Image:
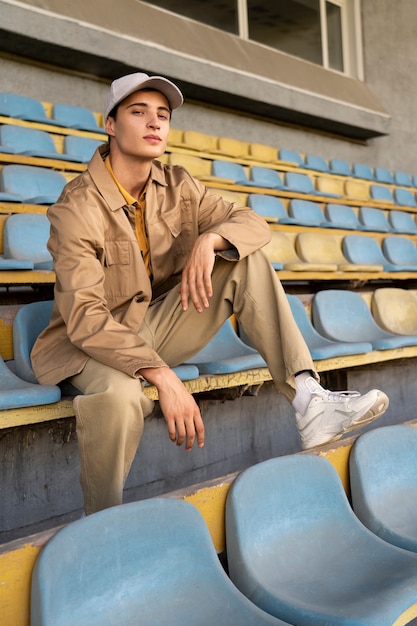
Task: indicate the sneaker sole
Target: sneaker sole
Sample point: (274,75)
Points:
(370,416)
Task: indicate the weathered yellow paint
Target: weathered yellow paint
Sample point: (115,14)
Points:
(339,458)
(407,616)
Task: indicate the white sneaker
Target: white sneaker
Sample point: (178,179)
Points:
(330,415)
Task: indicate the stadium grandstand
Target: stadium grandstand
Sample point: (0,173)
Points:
(301,109)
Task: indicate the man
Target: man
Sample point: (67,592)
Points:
(149,264)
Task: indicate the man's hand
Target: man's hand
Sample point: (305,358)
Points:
(178,406)
(196,276)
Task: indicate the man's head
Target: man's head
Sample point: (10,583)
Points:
(123,87)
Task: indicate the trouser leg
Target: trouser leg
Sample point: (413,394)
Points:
(250,289)
(110,416)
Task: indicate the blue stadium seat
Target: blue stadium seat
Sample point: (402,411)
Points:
(404,197)
(270,208)
(297,550)
(343,315)
(383,483)
(30,321)
(290,156)
(234,172)
(320,347)
(25,238)
(80,148)
(402,222)
(147,562)
(226,353)
(28,141)
(343,216)
(374,219)
(402,178)
(362,170)
(34,185)
(77,117)
(23,108)
(400,250)
(307,213)
(315,162)
(327,248)
(266,177)
(302,183)
(16,393)
(383,175)
(341,167)
(382,193)
(360,249)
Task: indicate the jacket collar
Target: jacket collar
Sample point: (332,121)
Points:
(105,183)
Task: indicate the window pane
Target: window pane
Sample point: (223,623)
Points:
(218,13)
(292,26)
(334,36)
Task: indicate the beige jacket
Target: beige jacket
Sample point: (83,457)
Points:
(102,290)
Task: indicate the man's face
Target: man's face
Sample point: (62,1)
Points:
(141,126)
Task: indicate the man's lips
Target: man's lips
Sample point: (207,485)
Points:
(152,138)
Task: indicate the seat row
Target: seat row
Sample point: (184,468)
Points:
(26,141)
(210,144)
(324,252)
(297,551)
(67,115)
(81,118)
(389,322)
(25,237)
(309,213)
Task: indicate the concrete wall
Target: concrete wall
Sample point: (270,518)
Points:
(390,70)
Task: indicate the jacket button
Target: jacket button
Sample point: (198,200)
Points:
(139,298)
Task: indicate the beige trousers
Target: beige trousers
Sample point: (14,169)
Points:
(110,413)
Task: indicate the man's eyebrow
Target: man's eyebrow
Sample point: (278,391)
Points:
(145,104)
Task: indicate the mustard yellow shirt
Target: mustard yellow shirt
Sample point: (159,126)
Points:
(140,205)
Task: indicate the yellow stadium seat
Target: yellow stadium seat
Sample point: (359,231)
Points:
(265,154)
(280,251)
(325,248)
(395,309)
(357,190)
(232,148)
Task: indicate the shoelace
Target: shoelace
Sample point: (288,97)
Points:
(336,396)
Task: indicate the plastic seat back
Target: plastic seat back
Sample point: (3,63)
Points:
(29,141)
(395,310)
(383,480)
(316,162)
(300,183)
(290,156)
(288,520)
(270,208)
(340,166)
(263,153)
(342,315)
(136,564)
(25,238)
(226,353)
(381,192)
(320,248)
(374,219)
(404,197)
(233,171)
(23,107)
(74,116)
(400,250)
(363,250)
(402,222)
(342,215)
(402,178)
(29,322)
(320,347)
(306,212)
(383,175)
(362,170)
(81,148)
(35,185)
(266,177)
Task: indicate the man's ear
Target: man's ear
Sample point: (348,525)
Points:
(110,126)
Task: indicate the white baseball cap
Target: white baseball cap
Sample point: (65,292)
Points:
(124,86)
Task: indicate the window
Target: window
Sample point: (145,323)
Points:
(326,32)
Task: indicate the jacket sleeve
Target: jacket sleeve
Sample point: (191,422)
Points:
(240,225)
(98,283)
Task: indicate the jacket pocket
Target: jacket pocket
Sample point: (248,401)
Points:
(116,253)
